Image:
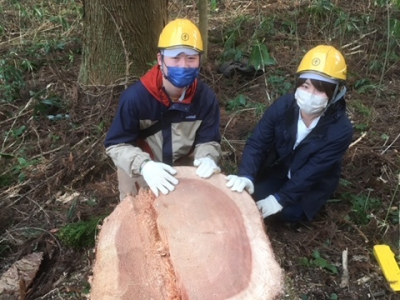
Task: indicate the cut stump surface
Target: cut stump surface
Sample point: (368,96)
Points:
(201,241)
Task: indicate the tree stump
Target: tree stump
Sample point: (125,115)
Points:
(200,242)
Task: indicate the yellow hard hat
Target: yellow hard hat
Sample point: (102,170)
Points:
(180,33)
(326,61)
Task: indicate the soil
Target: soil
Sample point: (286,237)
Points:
(363,212)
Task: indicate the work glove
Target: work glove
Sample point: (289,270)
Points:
(206,166)
(269,206)
(238,184)
(158,177)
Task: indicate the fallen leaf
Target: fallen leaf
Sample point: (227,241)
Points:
(22,271)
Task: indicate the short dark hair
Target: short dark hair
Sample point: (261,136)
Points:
(322,86)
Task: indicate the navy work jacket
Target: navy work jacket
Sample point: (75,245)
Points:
(146,102)
(315,164)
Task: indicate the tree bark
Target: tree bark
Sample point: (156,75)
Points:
(120,39)
(202,241)
(203,25)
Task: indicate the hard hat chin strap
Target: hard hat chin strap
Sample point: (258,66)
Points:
(162,66)
(338,95)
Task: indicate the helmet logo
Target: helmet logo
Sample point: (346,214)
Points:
(316,61)
(185,37)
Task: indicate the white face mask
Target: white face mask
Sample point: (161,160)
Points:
(310,103)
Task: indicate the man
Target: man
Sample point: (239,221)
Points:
(165,117)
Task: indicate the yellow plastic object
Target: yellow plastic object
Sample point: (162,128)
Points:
(324,60)
(180,33)
(388,265)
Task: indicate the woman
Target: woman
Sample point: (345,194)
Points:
(306,135)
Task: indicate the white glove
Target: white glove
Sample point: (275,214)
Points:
(206,166)
(159,177)
(238,184)
(269,206)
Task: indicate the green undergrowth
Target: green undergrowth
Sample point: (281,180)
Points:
(81,234)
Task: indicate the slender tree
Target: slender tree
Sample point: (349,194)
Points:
(203,24)
(120,39)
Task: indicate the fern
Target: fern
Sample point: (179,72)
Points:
(81,234)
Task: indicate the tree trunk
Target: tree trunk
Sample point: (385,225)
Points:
(120,39)
(203,25)
(201,241)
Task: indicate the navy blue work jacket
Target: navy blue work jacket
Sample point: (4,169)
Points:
(146,101)
(315,164)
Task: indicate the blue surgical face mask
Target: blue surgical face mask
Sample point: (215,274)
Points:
(182,77)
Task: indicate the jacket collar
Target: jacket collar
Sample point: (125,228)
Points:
(153,82)
(334,112)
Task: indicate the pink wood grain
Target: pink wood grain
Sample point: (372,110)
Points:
(201,241)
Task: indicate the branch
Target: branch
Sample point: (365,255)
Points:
(127,63)
(391,144)
(345,276)
(358,140)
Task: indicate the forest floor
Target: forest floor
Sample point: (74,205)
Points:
(54,171)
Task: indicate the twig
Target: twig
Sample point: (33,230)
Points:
(40,208)
(386,54)
(34,188)
(392,200)
(354,52)
(82,175)
(48,152)
(13,189)
(266,89)
(358,140)
(38,229)
(38,139)
(355,48)
(240,142)
(97,86)
(52,291)
(15,120)
(81,142)
(356,41)
(12,118)
(29,33)
(391,144)
(127,63)
(345,276)
(235,113)
(230,145)
(357,229)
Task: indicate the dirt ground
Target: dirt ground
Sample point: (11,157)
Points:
(363,212)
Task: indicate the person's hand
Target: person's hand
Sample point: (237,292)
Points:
(159,177)
(206,166)
(238,184)
(269,206)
